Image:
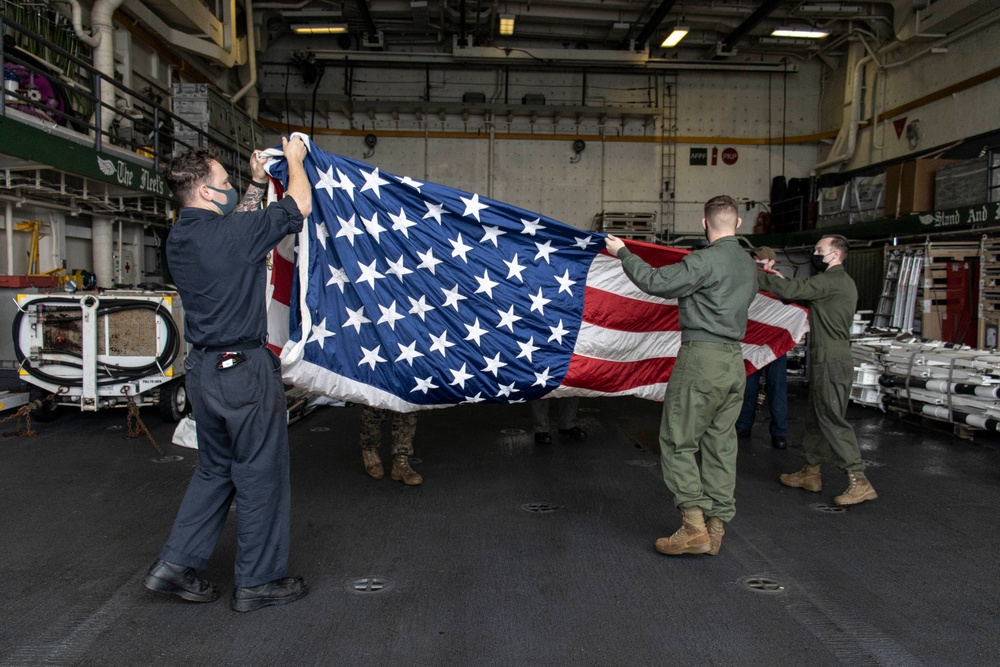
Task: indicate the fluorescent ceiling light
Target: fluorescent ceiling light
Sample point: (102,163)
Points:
(507,24)
(800,33)
(675,37)
(320,29)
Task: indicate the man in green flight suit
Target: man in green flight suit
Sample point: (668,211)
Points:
(832,297)
(714,287)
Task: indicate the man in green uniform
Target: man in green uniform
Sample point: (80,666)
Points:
(832,298)
(714,287)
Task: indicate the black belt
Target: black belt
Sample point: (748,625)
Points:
(233,347)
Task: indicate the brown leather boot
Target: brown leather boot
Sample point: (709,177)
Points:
(716,529)
(690,538)
(858,491)
(808,478)
(402,472)
(373,463)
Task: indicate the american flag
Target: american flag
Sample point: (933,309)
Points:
(408,295)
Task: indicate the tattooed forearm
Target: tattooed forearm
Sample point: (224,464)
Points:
(251,200)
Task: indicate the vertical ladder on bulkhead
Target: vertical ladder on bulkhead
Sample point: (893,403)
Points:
(668,153)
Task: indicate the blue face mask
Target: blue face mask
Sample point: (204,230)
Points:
(232,199)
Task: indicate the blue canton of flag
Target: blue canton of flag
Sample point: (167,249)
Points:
(421,295)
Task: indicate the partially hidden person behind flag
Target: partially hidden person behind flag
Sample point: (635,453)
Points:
(404,428)
(832,298)
(714,287)
(217,256)
(775,376)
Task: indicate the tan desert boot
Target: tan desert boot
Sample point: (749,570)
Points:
(859,490)
(402,472)
(690,538)
(373,463)
(716,529)
(808,478)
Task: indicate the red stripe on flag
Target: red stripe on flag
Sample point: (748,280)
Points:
(616,376)
(654,255)
(282,274)
(611,311)
(760,333)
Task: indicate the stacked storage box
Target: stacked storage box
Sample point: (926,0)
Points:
(964,183)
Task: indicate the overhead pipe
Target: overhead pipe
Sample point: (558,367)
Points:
(102,42)
(77,19)
(251,55)
(366,16)
(653,23)
(758,15)
(851,122)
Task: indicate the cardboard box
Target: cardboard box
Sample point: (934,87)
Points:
(916,185)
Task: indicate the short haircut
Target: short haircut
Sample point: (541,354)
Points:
(838,242)
(188,171)
(765,252)
(718,209)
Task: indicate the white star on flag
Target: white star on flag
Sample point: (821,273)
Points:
(508,318)
(346,185)
(506,389)
(322,233)
(371,357)
(491,234)
(372,226)
(369,274)
(544,250)
(473,207)
(515,269)
(420,307)
(527,349)
(338,277)
(460,249)
(485,284)
(408,353)
(320,334)
(558,332)
(493,365)
(406,180)
(427,260)
(584,242)
(452,297)
(460,376)
(355,318)
(348,228)
(400,223)
(542,379)
(326,181)
(372,182)
(398,269)
(531,226)
(565,283)
(441,343)
(389,315)
(424,384)
(538,302)
(475,332)
(434,211)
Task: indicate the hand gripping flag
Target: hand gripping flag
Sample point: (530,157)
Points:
(408,295)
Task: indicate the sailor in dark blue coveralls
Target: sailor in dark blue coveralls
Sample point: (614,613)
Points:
(216,253)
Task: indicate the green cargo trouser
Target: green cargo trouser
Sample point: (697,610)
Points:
(703,400)
(404,427)
(829,437)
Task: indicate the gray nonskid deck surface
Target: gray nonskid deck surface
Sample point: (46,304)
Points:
(471,578)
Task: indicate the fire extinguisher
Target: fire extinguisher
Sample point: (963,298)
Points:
(715,155)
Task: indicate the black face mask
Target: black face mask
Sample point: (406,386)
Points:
(818,263)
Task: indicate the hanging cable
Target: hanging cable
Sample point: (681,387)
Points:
(107,374)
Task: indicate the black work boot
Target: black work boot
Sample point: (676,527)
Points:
(164,577)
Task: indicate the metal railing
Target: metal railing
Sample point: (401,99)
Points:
(139,125)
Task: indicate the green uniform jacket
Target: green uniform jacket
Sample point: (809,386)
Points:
(832,298)
(713,287)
